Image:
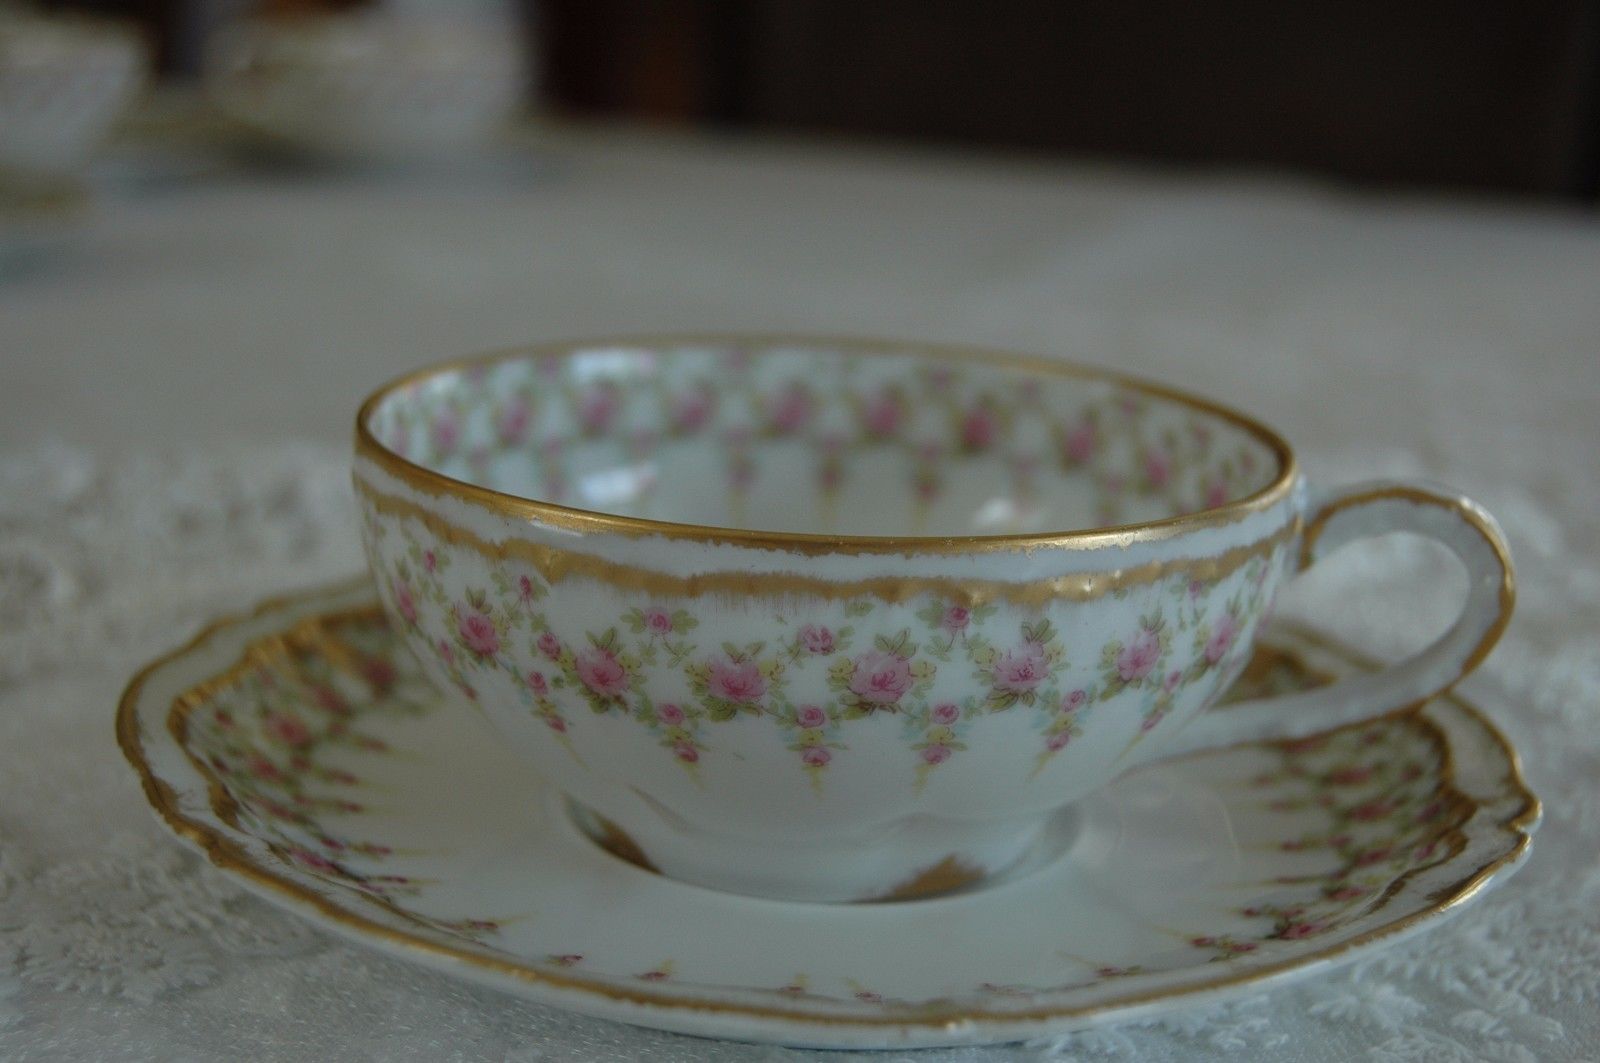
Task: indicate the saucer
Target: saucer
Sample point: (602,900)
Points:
(303,752)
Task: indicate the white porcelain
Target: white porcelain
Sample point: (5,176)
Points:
(303,751)
(833,620)
(367,86)
(63,83)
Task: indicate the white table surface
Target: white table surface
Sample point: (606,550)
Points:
(178,374)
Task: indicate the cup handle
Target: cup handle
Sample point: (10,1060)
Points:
(1359,512)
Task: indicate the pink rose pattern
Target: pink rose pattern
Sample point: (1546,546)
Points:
(1182,462)
(286,739)
(879,680)
(824,676)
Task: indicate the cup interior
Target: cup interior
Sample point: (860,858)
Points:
(826,438)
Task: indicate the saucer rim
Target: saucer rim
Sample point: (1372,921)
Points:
(927,1026)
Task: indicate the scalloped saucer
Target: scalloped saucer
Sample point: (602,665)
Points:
(302,751)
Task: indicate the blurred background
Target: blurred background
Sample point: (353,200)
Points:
(253,211)
(1497,97)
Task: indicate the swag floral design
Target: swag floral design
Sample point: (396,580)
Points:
(939,676)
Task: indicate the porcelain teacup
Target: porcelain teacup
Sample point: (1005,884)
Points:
(835,620)
(367,88)
(63,84)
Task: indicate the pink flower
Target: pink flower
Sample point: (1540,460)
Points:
(1297,931)
(670,714)
(1346,893)
(1019,671)
(557,724)
(1174,677)
(1221,639)
(978,429)
(1080,443)
(596,409)
(1351,776)
(1058,741)
(945,714)
(330,700)
(955,619)
(1138,658)
(315,861)
(537,682)
(686,752)
(288,729)
(1157,468)
(818,640)
(513,426)
(262,768)
(549,645)
(657,621)
(1195,587)
(1074,701)
(790,410)
(880,678)
(810,717)
(379,673)
(937,753)
(690,411)
(882,415)
(1216,494)
(741,682)
(1371,810)
(404,603)
(446,433)
(478,632)
(815,756)
(447,653)
(525,588)
(601,672)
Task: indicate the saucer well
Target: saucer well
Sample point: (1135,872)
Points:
(302,751)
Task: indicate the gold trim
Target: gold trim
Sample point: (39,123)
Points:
(948,874)
(620,844)
(437,484)
(231,856)
(556,564)
(1469,513)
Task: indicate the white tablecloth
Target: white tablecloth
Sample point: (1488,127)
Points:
(176,382)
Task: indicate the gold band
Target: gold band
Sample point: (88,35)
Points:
(555,564)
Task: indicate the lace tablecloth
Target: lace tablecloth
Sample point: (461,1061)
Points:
(176,377)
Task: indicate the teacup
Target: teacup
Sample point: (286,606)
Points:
(366,87)
(63,83)
(835,620)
